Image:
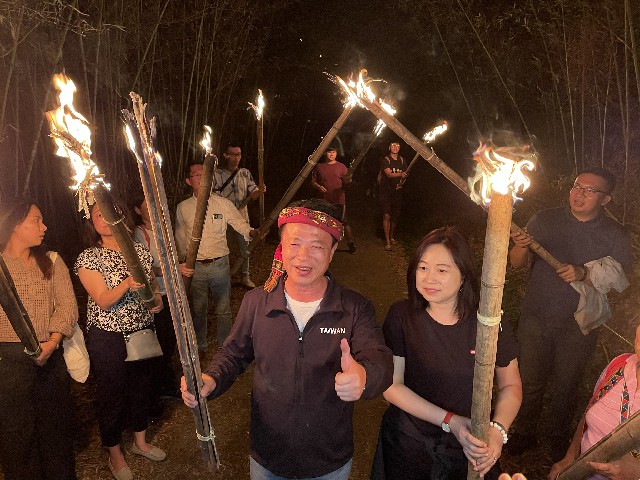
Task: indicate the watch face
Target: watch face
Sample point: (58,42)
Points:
(446,427)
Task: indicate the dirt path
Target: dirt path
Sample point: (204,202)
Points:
(377,274)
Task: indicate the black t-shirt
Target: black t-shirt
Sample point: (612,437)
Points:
(550,298)
(396,166)
(439,359)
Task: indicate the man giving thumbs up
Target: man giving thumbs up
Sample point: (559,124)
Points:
(317,348)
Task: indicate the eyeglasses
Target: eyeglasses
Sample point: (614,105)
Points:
(588,192)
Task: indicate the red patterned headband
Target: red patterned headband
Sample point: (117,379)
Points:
(315,218)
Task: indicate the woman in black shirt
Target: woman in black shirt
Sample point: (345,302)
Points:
(425,433)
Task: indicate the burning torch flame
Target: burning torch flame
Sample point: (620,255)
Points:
(258,108)
(356,90)
(359,89)
(71,134)
(206,140)
(501,170)
(434,133)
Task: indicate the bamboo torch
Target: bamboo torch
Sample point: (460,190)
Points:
(202,202)
(620,441)
(499,178)
(429,137)
(72,136)
(16,313)
(148,160)
(377,130)
(258,108)
(312,161)
(365,97)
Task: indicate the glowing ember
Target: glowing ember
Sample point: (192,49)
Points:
(434,133)
(501,170)
(71,133)
(206,140)
(258,108)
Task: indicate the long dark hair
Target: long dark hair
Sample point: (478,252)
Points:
(90,236)
(454,241)
(13,212)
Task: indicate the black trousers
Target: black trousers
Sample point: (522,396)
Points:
(552,358)
(164,378)
(122,387)
(36,437)
(404,453)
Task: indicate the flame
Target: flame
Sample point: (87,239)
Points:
(258,108)
(71,134)
(501,170)
(357,90)
(435,132)
(206,140)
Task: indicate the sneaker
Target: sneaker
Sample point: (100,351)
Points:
(352,248)
(519,443)
(246,282)
(387,247)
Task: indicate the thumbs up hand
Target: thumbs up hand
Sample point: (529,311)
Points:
(351,381)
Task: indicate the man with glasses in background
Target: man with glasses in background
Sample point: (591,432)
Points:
(236,184)
(211,272)
(554,348)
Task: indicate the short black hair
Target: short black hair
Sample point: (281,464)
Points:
(454,241)
(607,175)
(232,144)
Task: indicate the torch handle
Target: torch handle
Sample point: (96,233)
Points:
(411,164)
(121,234)
(620,441)
(204,192)
(153,186)
(261,166)
(16,313)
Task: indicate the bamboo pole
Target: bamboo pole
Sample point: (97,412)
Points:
(122,236)
(204,192)
(153,186)
(494,267)
(260,166)
(430,156)
(312,161)
(356,161)
(16,313)
(409,167)
(620,441)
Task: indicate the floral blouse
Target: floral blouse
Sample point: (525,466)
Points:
(129,313)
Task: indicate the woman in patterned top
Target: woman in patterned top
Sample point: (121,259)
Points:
(35,400)
(114,309)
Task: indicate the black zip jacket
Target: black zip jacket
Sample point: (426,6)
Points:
(299,426)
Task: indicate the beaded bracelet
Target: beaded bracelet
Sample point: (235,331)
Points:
(501,429)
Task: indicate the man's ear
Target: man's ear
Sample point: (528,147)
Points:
(605,200)
(188,181)
(137,210)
